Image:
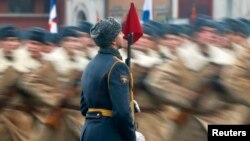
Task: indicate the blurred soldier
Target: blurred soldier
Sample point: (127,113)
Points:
(153,113)
(146,48)
(236,78)
(15,125)
(52,44)
(185,82)
(171,40)
(88,43)
(106,82)
(40,83)
(60,123)
(239,35)
(221,51)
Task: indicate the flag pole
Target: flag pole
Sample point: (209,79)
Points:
(130,42)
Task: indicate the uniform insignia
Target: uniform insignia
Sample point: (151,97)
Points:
(124,79)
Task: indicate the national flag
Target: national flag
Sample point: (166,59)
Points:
(97,16)
(193,14)
(53,17)
(147,11)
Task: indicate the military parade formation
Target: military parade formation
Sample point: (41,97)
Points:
(184,77)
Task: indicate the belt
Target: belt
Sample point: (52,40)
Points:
(99,112)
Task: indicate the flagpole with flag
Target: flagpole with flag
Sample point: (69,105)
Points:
(132,32)
(53,17)
(147,11)
(193,14)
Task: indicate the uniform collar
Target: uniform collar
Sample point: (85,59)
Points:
(110,50)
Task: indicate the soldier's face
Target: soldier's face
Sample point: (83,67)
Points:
(10,43)
(239,38)
(34,46)
(223,40)
(206,35)
(146,41)
(48,48)
(173,41)
(86,40)
(118,42)
(71,43)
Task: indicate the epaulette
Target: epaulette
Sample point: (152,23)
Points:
(117,59)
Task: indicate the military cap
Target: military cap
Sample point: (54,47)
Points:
(85,26)
(105,31)
(36,34)
(156,27)
(149,30)
(238,26)
(68,31)
(9,31)
(187,29)
(52,38)
(221,28)
(203,21)
(246,21)
(173,29)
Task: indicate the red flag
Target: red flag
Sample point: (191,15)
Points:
(132,25)
(193,14)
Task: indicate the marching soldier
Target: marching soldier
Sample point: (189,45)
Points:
(39,83)
(60,86)
(182,82)
(15,124)
(52,44)
(153,112)
(236,77)
(88,44)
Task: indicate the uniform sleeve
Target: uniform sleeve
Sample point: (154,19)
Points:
(40,84)
(118,83)
(165,83)
(83,105)
(237,79)
(8,80)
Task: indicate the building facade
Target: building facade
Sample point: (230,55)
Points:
(89,10)
(27,13)
(118,9)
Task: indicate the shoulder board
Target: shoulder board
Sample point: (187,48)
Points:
(117,59)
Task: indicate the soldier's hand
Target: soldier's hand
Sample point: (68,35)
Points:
(137,107)
(139,136)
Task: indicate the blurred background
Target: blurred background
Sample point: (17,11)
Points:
(188,47)
(71,12)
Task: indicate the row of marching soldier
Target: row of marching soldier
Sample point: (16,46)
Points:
(185,77)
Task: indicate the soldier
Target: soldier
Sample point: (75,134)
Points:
(238,35)
(236,78)
(183,81)
(105,88)
(153,120)
(90,48)
(146,48)
(15,124)
(52,44)
(61,123)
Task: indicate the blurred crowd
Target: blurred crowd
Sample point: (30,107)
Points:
(186,76)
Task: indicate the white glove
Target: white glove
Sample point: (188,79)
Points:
(139,136)
(137,107)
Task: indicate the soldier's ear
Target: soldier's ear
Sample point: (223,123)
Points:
(113,43)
